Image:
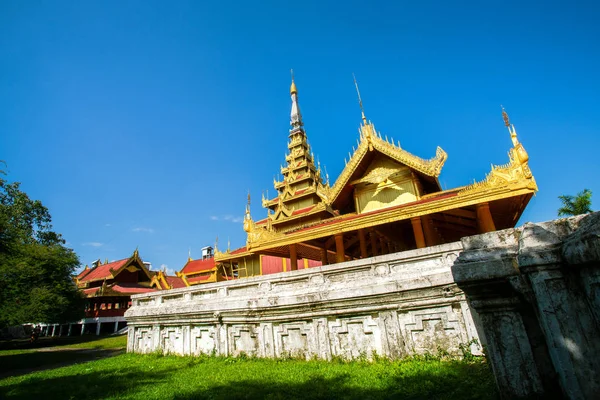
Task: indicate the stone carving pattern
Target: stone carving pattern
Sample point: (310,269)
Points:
(171,340)
(355,337)
(204,340)
(144,342)
(294,339)
(430,329)
(243,339)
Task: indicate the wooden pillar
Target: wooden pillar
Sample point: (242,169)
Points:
(363,243)
(418,231)
(293,258)
(339,248)
(429,231)
(324,260)
(484,218)
(382,245)
(373,244)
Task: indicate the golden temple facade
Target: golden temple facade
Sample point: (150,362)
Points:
(385,200)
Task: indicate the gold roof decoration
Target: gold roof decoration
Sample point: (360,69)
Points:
(516,173)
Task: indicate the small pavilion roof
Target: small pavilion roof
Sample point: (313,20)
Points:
(101,271)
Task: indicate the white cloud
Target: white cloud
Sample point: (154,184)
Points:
(93,244)
(107,225)
(229,218)
(168,271)
(141,229)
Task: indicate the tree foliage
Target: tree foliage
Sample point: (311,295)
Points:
(575,205)
(36,268)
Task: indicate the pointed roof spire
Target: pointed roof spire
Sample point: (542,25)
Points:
(295,115)
(293,86)
(362,110)
(511,127)
(190,254)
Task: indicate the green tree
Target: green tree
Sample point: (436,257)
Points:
(36,268)
(575,205)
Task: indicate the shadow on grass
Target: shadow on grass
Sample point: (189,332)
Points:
(87,385)
(48,341)
(421,385)
(24,363)
(465,382)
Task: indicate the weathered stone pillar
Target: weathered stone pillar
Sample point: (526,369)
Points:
(418,231)
(82,329)
(339,248)
(564,312)
(484,218)
(363,243)
(70,329)
(481,271)
(293,258)
(536,289)
(53,329)
(98,326)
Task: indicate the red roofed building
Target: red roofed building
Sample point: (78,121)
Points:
(108,288)
(204,270)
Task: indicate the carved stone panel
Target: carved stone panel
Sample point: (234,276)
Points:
(294,339)
(355,337)
(144,342)
(203,340)
(431,329)
(243,339)
(171,340)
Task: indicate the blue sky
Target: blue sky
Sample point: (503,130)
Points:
(145,123)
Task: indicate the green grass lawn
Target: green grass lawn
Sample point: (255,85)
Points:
(133,376)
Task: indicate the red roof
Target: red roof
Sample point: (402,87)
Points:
(198,266)
(91,291)
(240,250)
(175,282)
(102,271)
(131,288)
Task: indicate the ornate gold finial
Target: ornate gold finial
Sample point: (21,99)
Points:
(190,254)
(216,243)
(293,86)
(362,110)
(505,117)
(228,245)
(106,261)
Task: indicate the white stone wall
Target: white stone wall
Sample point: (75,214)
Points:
(394,305)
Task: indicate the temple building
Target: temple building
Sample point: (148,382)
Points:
(385,200)
(108,288)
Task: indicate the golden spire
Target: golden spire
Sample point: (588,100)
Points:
(190,254)
(362,110)
(511,127)
(293,86)
(505,117)
(295,115)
